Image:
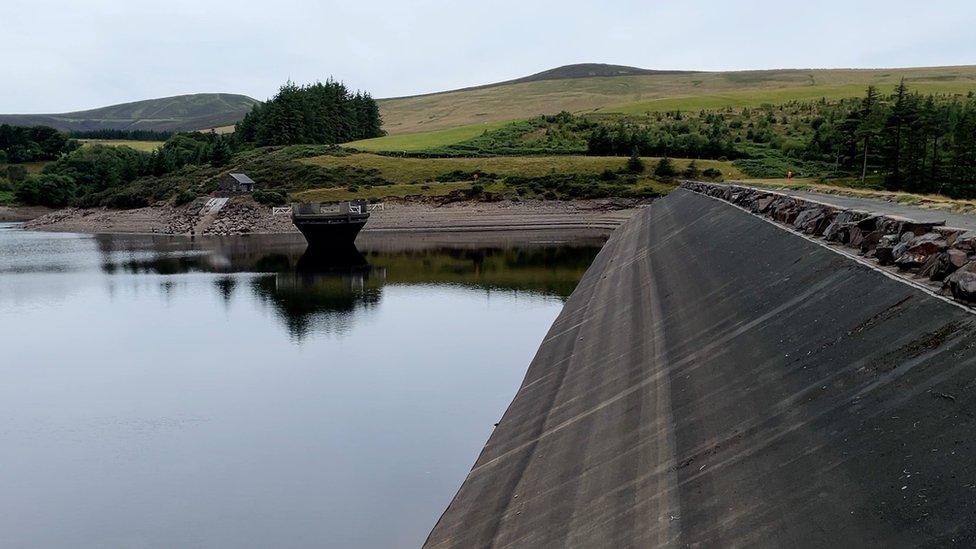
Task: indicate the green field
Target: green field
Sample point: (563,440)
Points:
(649,93)
(419,170)
(146,146)
(413,142)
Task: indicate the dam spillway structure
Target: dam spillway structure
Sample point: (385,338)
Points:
(716,380)
(330,225)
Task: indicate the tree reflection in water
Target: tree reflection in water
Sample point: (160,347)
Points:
(326,290)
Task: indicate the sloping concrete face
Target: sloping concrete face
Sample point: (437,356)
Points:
(715,380)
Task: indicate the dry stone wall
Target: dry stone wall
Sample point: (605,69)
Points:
(943,257)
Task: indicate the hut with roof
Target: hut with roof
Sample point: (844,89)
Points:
(236,183)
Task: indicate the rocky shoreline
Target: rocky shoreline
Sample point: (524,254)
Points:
(941,257)
(241,216)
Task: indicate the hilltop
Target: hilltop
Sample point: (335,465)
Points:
(613,89)
(565,72)
(178,113)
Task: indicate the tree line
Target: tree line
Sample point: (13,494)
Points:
(712,139)
(133,135)
(902,140)
(912,142)
(95,174)
(31,144)
(321,113)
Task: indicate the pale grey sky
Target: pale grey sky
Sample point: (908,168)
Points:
(62,55)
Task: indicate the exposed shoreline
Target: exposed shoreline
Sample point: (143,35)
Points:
(243,216)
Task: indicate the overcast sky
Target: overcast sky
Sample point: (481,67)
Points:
(62,55)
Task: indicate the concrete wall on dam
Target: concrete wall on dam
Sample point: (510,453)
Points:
(717,380)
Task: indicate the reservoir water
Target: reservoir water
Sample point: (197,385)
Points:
(161,392)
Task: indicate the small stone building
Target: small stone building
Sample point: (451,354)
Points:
(236,183)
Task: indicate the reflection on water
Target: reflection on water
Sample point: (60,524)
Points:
(162,392)
(327,289)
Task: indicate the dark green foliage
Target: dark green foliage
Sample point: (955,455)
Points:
(912,142)
(558,134)
(51,190)
(701,139)
(634,163)
(692,171)
(665,168)
(712,173)
(16,174)
(315,113)
(463,175)
(269,198)
(219,151)
(185,196)
(30,144)
(131,135)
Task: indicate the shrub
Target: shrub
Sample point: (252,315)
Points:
(712,173)
(462,175)
(184,197)
(269,197)
(16,174)
(55,191)
(634,163)
(665,168)
(692,171)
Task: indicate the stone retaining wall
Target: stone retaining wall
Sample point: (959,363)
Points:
(942,256)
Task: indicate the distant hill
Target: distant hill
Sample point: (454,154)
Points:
(179,113)
(629,90)
(566,72)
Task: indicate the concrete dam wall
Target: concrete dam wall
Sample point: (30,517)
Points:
(715,380)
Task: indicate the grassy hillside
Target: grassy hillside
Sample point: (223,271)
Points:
(418,170)
(178,113)
(424,140)
(635,94)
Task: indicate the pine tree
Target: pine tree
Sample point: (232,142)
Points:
(871,121)
(634,163)
(665,168)
(220,152)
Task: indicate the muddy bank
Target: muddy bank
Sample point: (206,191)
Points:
(244,216)
(21,213)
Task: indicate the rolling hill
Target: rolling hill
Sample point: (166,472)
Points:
(179,113)
(629,90)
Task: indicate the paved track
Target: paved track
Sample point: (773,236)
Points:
(715,381)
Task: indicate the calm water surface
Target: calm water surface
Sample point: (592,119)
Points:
(241,393)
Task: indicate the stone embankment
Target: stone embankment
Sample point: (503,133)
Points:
(940,256)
